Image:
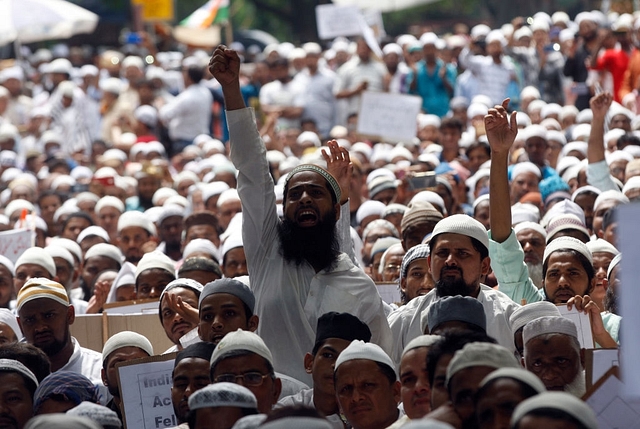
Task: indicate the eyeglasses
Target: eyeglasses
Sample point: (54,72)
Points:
(253,379)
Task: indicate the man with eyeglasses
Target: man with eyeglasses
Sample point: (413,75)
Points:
(242,357)
(390,263)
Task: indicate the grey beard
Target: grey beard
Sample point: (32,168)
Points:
(535,273)
(578,387)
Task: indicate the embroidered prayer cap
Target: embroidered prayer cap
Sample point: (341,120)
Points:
(421,341)
(73,386)
(420,251)
(359,349)
(455,308)
(333,183)
(126,339)
(37,256)
(480,354)
(525,314)
(518,374)
(565,222)
(556,401)
(341,325)
(464,225)
(97,413)
(107,250)
(232,287)
(223,395)
(419,212)
(157,260)
(241,340)
(39,287)
(549,325)
(564,244)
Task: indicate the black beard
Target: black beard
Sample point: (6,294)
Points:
(453,287)
(317,245)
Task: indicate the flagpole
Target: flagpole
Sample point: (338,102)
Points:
(228,32)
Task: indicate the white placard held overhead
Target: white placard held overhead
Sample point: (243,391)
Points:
(389,116)
(334,21)
(583,323)
(14,242)
(145,389)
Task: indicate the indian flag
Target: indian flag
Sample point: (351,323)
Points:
(213,11)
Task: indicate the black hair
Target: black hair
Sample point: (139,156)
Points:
(199,263)
(28,355)
(278,62)
(610,217)
(478,145)
(554,414)
(50,193)
(454,123)
(82,215)
(195,74)
(477,245)
(586,265)
(627,139)
(451,342)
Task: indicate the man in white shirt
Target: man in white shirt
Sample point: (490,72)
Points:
(283,95)
(298,272)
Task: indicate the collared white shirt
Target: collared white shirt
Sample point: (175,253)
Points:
(88,363)
(189,113)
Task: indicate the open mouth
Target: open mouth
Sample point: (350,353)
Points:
(307,217)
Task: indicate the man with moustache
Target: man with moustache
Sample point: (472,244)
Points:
(532,238)
(297,269)
(17,387)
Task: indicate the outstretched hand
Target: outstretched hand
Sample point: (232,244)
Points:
(340,166)
(501,128)
(224,65)
(184,309)
(600,104)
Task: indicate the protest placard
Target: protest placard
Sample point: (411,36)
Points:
(583,323)
(389,292)
(132,307)
(145,389)
(597,362)
(613,409)
(14,242)
(388,116)
(333,21)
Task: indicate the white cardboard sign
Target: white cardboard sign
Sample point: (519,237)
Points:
(386,115)
(334,21)
(13,243)
(582,322)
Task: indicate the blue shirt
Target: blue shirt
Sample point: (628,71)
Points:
(429,86)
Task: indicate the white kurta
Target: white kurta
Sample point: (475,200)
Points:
(88,363)
(291,298)
(305,398)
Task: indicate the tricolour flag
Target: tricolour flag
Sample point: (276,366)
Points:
(213,11)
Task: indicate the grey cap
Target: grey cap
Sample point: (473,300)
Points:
(61,421)
(560,401)
(223,395)
(96,412)
(232,287)
(481,354)
(527,313)
(455,308)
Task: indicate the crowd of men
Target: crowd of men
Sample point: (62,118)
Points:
(201,181)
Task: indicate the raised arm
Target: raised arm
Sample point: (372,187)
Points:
(224,65)
(597,169)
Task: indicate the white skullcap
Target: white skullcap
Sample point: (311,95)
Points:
(358,349)
(610,195)
(228,195)
(309,136)
(477,109)
(532,226)
(392,48)
(148,115)
(522,32)
(430,197)
(107,250)
(82,172)
(13,365)
(539,24)
(557,136)
(464,225)
(518,374)
(200,245)
(380,172)
(60,252)
(421,341)
(312,48)
(560,401)
(133,61)
(425,120)
(297,423)
(223,395)
(241,340)
(232,242)
(631,184)
(524,212)
(6,262)
(549,325)
(162,193)
(153,260)
(126,339)
(584,189)
(481,354)
(426,423)
(496,36)
(482,99)
(600,245)
(169,210)
(525,167)
(580,132)
(93,230)
(480,30)
(534,131)
(60,65)
(212,189)
(112,85)
(429,158)
(37,256)
(136,218)
(96,412)
(369,208)
(16,205)
(109,201)
(8,318)
(61,421)
(560,17)
(530,92)
(428,38)
(527,313)
(567,243)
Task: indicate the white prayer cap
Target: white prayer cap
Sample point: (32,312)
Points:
(358,349)
(9,318)
(522,32)
(212,189)
(480,30)
(136,218)
(563,222)
(618,155)
(518,374)
(429,158)
(169,210)
(428,38)
(312,48)
(549,325)
(241,340)
(133,61)
(97,413)
(530,225)
(162,193)
(425,120)
(88,70)
(109,201)
(567,243)
(13,365)
(60,252)
(70,245)
(380,172)
(464,225)
(228,195)
(62,180)
(126,339)
(430,197)
(534,131)
(200,245)
(526,313)
(185,175)
(60,65)
(104,172)
(539,24)
(406,39)
(481,354)
(482,99)
(148,115)
(37,256)
(297,423)
(610,195)
(631,184)
(16,205)
(525,167)
(426,423)
(392,48)
(477,109)
(6,262)
(560,401)
(369,208)
(232,242)
(14,72)
(421,341)
(61,421)
(107,250)
(560,17)
(524,212)
(600,245)
(223,395)
(91,231)
(362,148)
(112,85)
(153,260)
(530,92)
(496,36)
